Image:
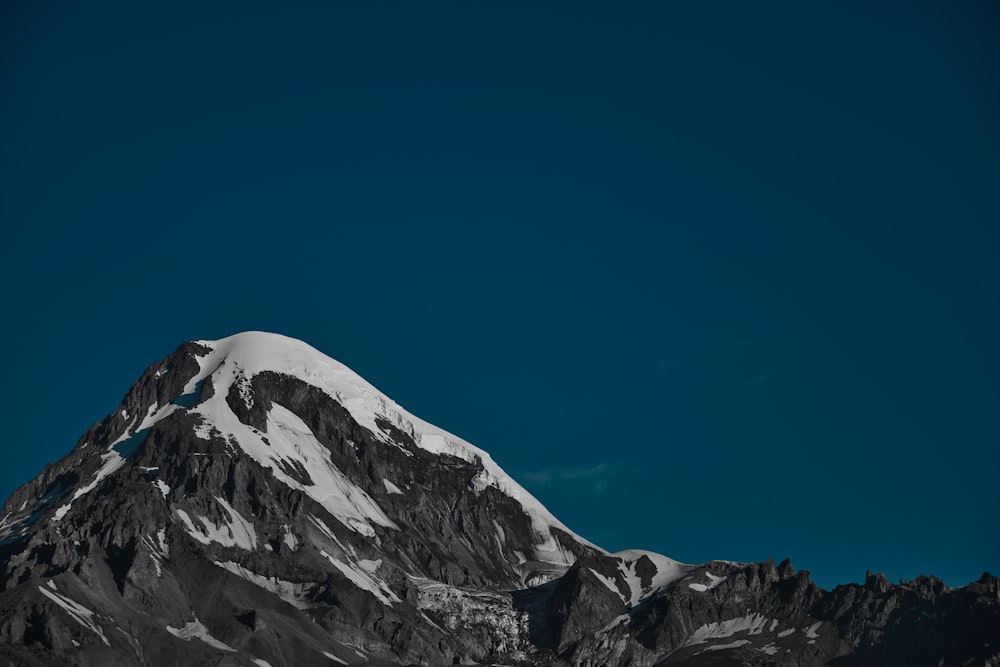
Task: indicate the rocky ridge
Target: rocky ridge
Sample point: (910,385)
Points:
(252,501)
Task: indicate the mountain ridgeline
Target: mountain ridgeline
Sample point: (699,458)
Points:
(254,502)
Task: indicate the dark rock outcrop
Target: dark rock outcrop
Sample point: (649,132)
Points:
(285,529)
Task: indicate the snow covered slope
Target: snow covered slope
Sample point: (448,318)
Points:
(253,501)
(256,474)
(234,360)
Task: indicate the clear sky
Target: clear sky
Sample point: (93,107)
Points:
(712,279)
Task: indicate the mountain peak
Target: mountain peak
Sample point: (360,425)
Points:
(231,363)
(253,501)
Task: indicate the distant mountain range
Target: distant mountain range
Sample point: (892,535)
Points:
(254,502)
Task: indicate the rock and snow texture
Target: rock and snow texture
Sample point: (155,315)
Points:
(196,630)
(79,613)
(252,501)
(303,491)
(236,532)
(712,581)
(636,575)
(639,586)
(232,362)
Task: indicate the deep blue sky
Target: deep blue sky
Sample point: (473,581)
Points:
(717,281)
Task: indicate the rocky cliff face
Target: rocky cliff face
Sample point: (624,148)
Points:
(252,501)
(724,613)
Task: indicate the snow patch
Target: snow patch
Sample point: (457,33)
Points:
(112,459)
(290,541)
(607,581)
(811,632)
(735,644)
(363,580)
(751,624)
(204,430)
(325,529)
(77,612)
(370,566)
(290,592)
(153,415)
(391,488)
(238,532)
(112,462)
(667,572)
(335,658)
(500,532)
(713,582)
(161,539)
(158,550)
(195,630)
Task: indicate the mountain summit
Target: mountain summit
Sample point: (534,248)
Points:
(255,502)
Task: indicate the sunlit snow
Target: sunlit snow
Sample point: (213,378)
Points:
(291,592)
(735,644)
(113,460)
(713,582)
(390,487)
(77,611)
(195,630)
(237,532)
(363,580)
(158,549)
(325,529)
(288,538)
(667,572)
(233,359)
(607,581)
(752,624)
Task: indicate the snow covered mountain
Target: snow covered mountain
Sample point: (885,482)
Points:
(254,502)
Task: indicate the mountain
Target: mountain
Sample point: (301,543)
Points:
(254,502)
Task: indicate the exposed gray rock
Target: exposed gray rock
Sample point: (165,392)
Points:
(163,539)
